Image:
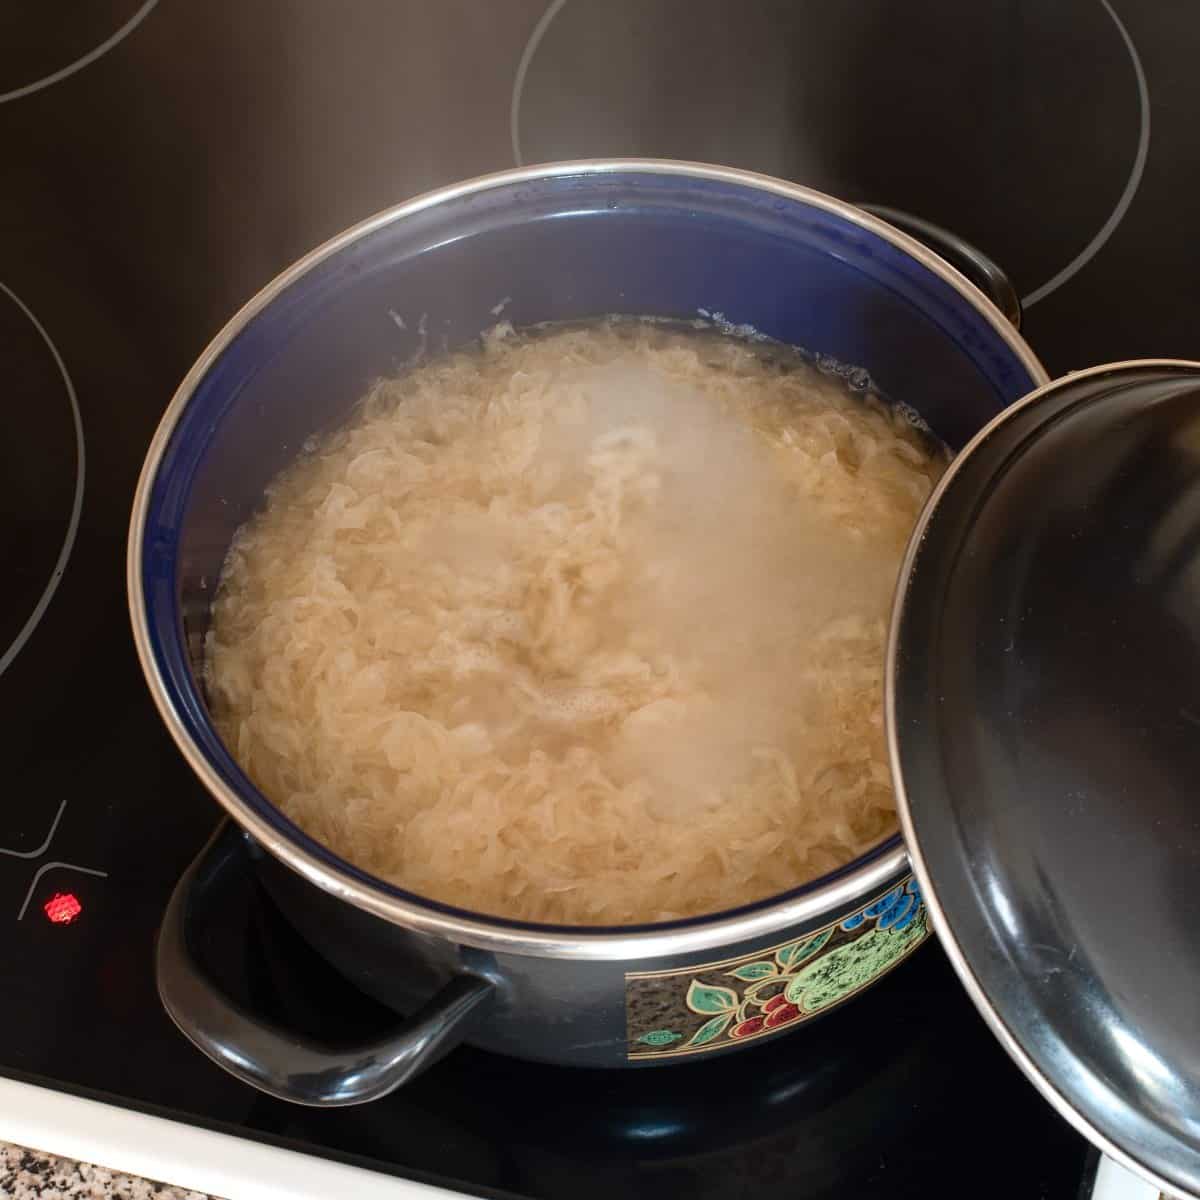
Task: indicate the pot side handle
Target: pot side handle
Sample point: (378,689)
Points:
(982,271)
(283,1064)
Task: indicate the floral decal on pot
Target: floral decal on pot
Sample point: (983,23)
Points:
(716,1005)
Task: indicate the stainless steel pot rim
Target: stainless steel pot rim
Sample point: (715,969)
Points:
(759,921)
(941,925)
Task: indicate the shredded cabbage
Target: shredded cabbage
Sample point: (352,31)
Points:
(583,626)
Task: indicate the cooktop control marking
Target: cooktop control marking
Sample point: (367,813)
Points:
(50,867)
(45,845)
(31,854)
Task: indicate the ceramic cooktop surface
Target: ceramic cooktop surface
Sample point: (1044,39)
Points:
(164,160)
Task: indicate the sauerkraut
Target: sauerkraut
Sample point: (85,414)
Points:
(583,626)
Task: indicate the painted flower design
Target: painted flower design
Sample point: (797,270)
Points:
(803,977)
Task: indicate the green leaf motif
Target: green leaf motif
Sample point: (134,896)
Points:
(659,1037)
(850,966)
(711,1029)
(761,991)
(752,971)
(797,952)
(705,998)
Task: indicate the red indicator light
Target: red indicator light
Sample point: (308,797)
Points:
(62,908)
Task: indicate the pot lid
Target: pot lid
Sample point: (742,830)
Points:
(1043,705)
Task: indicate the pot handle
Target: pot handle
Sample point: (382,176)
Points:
(275,1061)
(973,263)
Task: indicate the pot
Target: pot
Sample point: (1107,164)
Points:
(560,242)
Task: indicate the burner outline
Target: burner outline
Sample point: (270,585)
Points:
(1125,199)
(86,60)
(518,88)
(60,565)
(1068,272)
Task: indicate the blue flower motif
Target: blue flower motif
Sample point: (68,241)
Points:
(902,911)
(897,910)
(884,904)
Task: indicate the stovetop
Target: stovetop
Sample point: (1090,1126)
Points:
(164,160)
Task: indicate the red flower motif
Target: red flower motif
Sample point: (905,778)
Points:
(781,1016)
(774,1003)
(746,1028)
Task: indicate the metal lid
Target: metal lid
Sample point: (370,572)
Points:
(1044,716)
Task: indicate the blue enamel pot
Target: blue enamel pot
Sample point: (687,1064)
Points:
(560,242)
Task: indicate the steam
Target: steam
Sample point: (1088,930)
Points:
(727,573)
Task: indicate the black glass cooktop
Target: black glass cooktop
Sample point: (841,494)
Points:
(164,160)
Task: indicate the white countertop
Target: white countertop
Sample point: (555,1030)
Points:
(149,1148)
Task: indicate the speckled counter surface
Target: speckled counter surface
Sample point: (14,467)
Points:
(31,1175)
